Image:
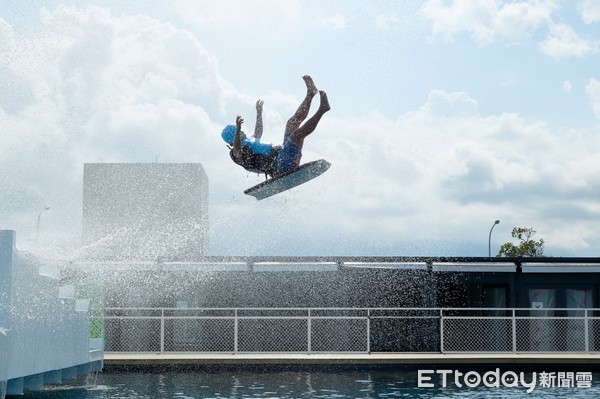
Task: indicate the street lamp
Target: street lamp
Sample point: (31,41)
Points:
(38,223)
(490,239)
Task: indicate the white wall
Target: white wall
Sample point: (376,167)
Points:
(135,211)
(41,331)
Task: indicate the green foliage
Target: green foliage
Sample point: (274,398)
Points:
(526,247)
(93,291)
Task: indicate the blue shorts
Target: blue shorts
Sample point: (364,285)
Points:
(289,157)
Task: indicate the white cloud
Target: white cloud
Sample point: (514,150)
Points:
(515,21)
(593,91)
(487,21)
(457,104)
(450,20)
(493,21)
(564,42)
(235,14)
(334,22)
(590,11)
(439,167)
(567,86)
(390,22)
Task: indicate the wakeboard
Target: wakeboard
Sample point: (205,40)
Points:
(288,180)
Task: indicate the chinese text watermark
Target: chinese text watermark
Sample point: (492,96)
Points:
(509,379)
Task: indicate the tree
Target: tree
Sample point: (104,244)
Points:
(527,246)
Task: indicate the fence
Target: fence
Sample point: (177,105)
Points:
(359,330)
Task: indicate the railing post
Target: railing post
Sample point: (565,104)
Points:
(309,336)
(235,331)
(162,330)
(514,331)
(441,331)
(368,330)
(586,331)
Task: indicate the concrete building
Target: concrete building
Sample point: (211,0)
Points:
(156,211)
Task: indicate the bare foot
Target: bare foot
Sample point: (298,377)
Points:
(324,107)
(311,89)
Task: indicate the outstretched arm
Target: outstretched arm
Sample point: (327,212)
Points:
(237,139)
(258,128)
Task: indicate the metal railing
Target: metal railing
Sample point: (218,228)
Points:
(357,330)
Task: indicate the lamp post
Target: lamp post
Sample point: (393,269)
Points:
(490,239)
(38,223)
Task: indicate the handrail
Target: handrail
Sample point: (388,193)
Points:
(508,331)
(367,259)
(353,308)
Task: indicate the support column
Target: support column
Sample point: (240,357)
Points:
(7,244)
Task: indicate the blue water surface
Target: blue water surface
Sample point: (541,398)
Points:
(285,384)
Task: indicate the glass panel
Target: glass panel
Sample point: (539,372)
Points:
(541,299)
(578,298)
(494,297)
(542,331)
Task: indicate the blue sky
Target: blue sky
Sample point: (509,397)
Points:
(447,115)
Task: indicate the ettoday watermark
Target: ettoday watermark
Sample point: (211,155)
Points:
(507,379)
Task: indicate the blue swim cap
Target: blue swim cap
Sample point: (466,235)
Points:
(228,134)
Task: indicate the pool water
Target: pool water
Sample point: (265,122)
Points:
(288,384)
